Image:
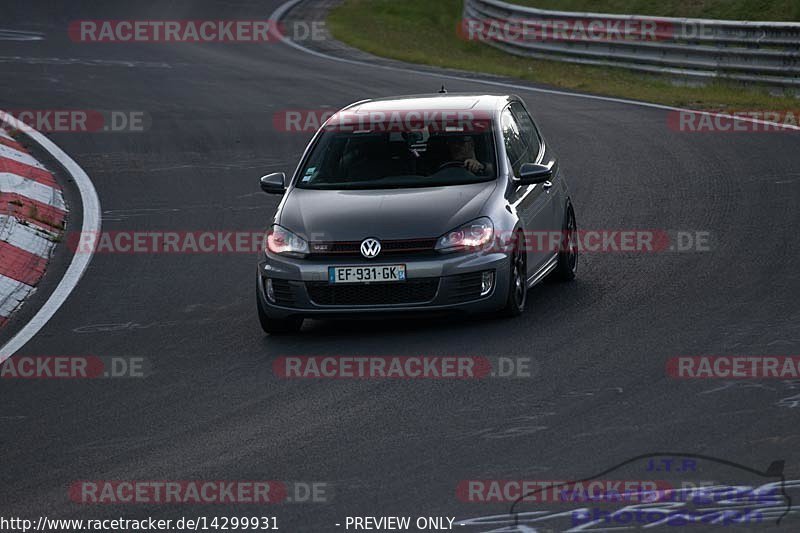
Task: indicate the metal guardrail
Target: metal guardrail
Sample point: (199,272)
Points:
(756,52)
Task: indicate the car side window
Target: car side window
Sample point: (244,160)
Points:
(528,130)
(516,148)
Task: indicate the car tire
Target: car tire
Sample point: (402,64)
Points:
(567,265)
(277,326)
(518,282)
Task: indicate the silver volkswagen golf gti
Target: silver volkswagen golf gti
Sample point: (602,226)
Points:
(416,204)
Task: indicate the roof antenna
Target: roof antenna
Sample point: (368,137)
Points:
(443,90)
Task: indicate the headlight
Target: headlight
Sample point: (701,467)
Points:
(281,241)
(471,236)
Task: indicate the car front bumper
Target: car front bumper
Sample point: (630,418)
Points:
(433,284)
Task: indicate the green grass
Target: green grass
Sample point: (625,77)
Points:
(714,9)
(424,31)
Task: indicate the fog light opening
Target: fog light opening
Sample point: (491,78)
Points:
(270,291)
(487,282)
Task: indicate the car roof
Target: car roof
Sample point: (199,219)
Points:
(485,102)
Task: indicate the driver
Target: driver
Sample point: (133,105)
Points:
(462,148)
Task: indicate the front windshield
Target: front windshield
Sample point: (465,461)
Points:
(399,159)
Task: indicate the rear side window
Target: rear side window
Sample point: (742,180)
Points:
(528,130)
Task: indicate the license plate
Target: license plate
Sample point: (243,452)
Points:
(363,274)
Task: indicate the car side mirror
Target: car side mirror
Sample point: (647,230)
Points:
(274,183)
(531,173)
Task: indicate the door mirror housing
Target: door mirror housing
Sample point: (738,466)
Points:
(532,173)
(274,183)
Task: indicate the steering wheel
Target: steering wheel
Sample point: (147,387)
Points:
(448,164)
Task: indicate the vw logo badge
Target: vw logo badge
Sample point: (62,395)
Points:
(370,248)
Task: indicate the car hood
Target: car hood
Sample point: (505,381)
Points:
(322,215)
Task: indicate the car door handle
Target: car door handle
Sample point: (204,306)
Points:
(547,185)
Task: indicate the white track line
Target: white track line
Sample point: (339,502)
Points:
(80,261)
(285,7)
(31,189)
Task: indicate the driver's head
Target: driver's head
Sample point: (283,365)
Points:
(461,147)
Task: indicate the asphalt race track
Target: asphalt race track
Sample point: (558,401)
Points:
(213,409)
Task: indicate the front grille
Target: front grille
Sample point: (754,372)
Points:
(412,291)
(353,248)
(465,287)
(284,295)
